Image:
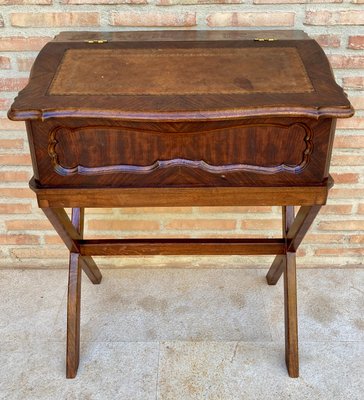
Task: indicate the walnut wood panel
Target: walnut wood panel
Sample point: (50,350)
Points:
(251,92)
(275,151)
(261,148)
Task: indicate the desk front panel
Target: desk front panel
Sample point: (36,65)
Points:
(111,153)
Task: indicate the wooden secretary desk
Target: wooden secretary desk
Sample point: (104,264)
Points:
(181,118)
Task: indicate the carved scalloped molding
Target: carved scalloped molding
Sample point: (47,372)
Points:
(180,162)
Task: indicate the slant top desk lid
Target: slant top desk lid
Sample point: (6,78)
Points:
(181,75)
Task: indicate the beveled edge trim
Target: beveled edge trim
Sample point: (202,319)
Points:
(316,113)
(175,197)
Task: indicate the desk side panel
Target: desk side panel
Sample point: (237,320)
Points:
(33,153)
(252,152)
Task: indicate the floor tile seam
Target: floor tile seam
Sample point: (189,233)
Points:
(60,307)
(300,268)
(27,269)
(158,372)
(339,268)
(202,341)
(29,350)
(265,306)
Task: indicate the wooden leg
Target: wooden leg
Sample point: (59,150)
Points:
(87,263)
(294,230)
(71,231)
(301,224)
(73,316)
(64,227)
(290,313)
(277,268)
(90,268)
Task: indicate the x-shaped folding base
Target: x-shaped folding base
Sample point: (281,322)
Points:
(294,230)
(71,231)
(61,223)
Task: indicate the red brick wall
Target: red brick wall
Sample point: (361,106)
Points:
(337,237)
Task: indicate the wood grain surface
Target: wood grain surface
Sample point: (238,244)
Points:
(231,121)
(230,75)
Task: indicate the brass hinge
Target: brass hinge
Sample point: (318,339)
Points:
(96,41)
(264,39)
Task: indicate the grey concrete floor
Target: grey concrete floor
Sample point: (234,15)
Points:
(171,334)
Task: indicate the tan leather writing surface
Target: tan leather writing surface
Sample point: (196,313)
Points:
(180,71)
